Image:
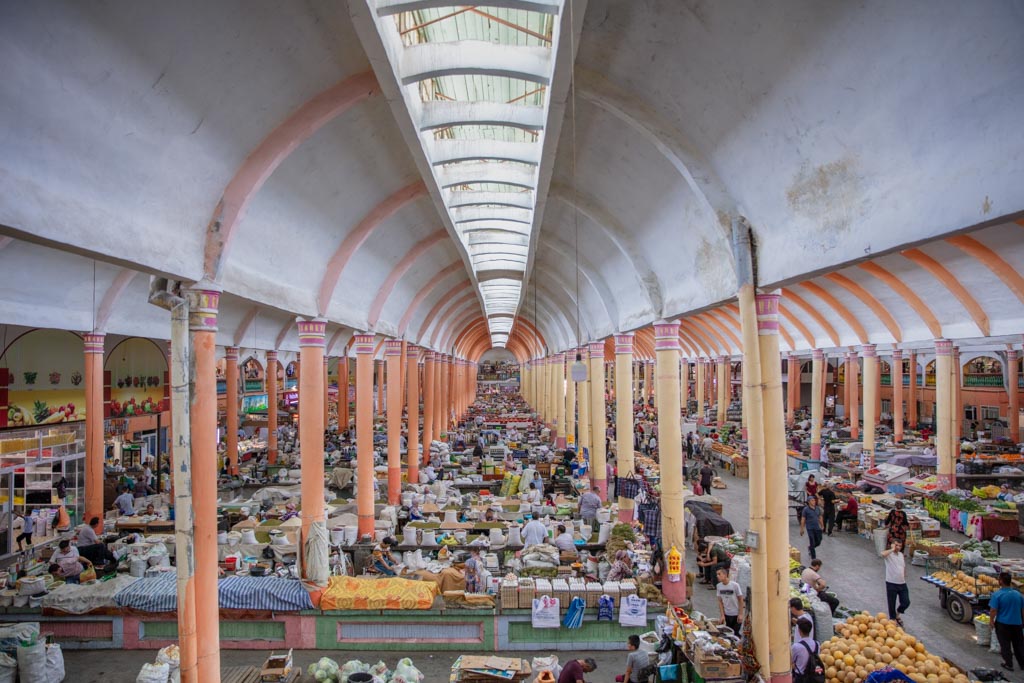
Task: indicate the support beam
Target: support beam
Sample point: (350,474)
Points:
(363,346)
(393,358)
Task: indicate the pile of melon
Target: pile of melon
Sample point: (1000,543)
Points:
(865,644)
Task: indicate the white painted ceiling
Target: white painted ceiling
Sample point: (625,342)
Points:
(844,133)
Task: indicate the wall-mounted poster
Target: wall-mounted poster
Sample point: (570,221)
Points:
(136,368)
(256,403)
(43,375)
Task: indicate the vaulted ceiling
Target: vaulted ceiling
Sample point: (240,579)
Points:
(435,172)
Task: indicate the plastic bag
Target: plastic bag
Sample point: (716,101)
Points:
(405,672)
(545,612)
(54,664)
(633,611)
(170,656)
(153,673)
(32,663)
(8,668)
(549,663)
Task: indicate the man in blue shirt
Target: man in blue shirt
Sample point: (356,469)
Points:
(1007,611)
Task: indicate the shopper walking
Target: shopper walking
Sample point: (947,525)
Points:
(810,522)
(896,581)
(707,473)
(828,499)
(807,666)
(1006,608)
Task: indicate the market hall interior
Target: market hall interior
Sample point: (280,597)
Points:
(277,257)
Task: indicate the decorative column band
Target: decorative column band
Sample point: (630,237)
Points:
(851,356)
(326,360)
(868,351)
(726,359)
(767,306)
(597,350)
(412,352)
(666,336)
(817,354)
(559,358)
(231,352)
(623,343)
(311,332)
(363,343)
(94,342)
(203,305)
(392,348)
(1011,356)
(271,356)
(943,347)
(897,354)
(584,353)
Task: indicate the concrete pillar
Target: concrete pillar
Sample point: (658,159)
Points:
(1013,394)
(896,380)
(598,423)
(701,388)
(583,396)
(670,450)
(912,392)
(791,365)
(724,384)
(775,481)
(624,417)
(944,414)
(412,353)
(231,408)
(570,406)
(637,372)
(343,385)
(852,368)
(393,358)
(446,406)
(817,401)
(311,428)
(958,402)
(272,407)
(438,427)
(428,403)
(93,344)
(203,305)
(363,346)
(870,394)
(379,405)
(327,394)
(560,399)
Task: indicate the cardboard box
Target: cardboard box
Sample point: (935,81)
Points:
(715,668)
(277,667)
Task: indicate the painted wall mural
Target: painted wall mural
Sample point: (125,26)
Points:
(42,379)
(136,368)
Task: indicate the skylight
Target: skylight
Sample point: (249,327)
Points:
(476,81)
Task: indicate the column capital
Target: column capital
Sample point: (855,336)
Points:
(311,332)
(897,354)
(393,347)
(728,359)
(869,350)
(271,356)
(596,350)
(327,359)
(559,358)
(817,354)
(943,347)
(851,356)
(624,344)
(666,331)
(203,304)
(1011,354)
(412,352)
(362,344)
(231,353)
(767,307)
(94,342)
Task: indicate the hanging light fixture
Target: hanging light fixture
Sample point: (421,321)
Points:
(579,368)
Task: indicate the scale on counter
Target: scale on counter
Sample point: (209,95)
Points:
(885,474)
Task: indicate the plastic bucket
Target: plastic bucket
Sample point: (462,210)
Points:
(231,562)
(880,535)
(360,677)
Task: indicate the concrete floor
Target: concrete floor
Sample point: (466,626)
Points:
(850,566)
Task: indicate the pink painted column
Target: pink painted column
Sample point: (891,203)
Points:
(446,382)
(791,389)
(670,449)
(1013,394)
(412,373)
(94,343)
(231,408)
(327,394)
(946,466)
(203,307)
(393,358)
(912,392)
(896,380)
(363,346)
(852,371)
(817,401)
(598,420)
(438,396)
(311,425)
(343,386)
(272,407)
(428,403)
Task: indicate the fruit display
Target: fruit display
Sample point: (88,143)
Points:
(986,548)
(965,584)
(868,643)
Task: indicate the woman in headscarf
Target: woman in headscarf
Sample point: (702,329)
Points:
(289,512)
(898,524)
(472,570)
(622,568)
(414,512)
